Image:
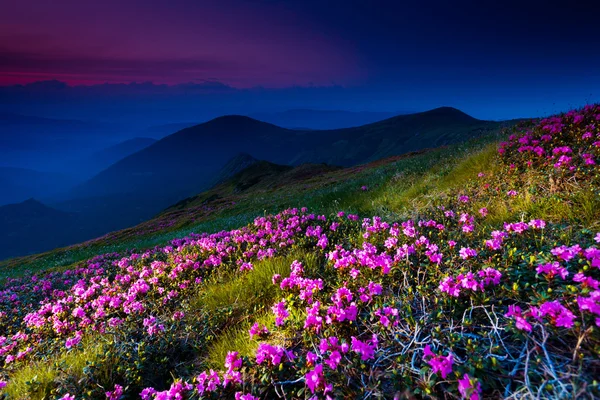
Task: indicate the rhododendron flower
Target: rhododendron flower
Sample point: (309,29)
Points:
(552,269)
(281,313)
(116,393)
(233,361)
(520,321)
(365,349)
(258,330)
(537,224)
(566,253)
(246,266)
(560,315)
(586,281)
(207,382)
(147,393)
(73,341)
(314,379)
(466,252)
(469,388)
(271,354)
(242,396)
(591,304)
(438,363)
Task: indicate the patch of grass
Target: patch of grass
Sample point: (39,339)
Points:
(237,338)
(35,381)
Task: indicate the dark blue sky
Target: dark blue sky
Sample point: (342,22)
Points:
(493,59)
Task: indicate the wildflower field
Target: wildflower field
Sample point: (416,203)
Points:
(475,277)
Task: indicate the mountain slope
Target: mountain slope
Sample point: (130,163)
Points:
(186,160)
(104,158)
(321,119)
(31,227)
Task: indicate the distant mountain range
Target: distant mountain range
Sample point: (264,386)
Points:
(102,159)
(179,166)
(19,184)
(321,119)
(185,162)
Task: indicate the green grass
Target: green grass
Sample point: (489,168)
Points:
(35,381)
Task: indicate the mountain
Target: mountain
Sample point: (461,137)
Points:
(187,160)
(19,184)
(104,158)
(49,144)
(192,160)
(260,176)
(160,131)
(394,136)
(31,227)
(321,119)
(237,164)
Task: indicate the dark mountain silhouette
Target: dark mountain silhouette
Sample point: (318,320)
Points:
(187,161)
(321,119)
(238,163)
(19,184)
(260,175)
(104,158)
(160,131)
(31,227)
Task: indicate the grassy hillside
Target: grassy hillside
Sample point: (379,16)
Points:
(461,272)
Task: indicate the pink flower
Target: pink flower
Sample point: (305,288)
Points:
(242,396)
(463,199)
(281,313)
(552,269)
(466,253)
(520,321)
(365,349)
(512,193)
(469,388)
(537,224)
(67,397)
(314,378)
(116,393)
(483,212)
(438,363)
(246,266)
(559,314)
(73,341)
(258,330)
(147,393)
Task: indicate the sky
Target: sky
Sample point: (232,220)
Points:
(495,59)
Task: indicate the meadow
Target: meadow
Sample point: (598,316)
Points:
(470,271)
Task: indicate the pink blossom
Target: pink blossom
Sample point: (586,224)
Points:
(281,313)
(314,379)
(469,388)
(466,253)
(438,363)
(116,393)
